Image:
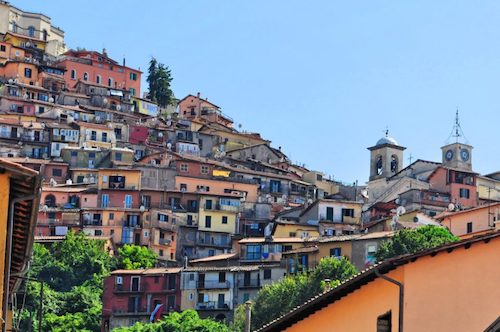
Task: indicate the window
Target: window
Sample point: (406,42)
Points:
(348,213)
(183,187)
(184,168)
(222,276)
(91,155)
(319,177)
(104,200)
(104,137)
(132,91)
(98,79)
(292,234)
(246,297)
(118,156)
(208,221)
(146,234)
(31,31)
(335,252)
(224,219)
(208,204)
(27,72)
(464,193)
(111,216)
(85,76)
(93,135)
(110,81)
(204,169)
(73,74)
(2,48)
(384,323)
(133,76)
(275,186)
(469,227)
(161,252)
(56,172)
(267,274)
(98,232)
(162,217)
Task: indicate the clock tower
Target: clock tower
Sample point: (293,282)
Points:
(457,154)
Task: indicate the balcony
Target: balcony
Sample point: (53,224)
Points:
(164,242)
(213,284)
(121,289)
(213,305)
(213,242)
(249,283)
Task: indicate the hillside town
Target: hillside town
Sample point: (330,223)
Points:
(84,149)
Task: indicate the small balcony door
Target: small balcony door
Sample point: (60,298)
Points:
(329,213)
(134,286)
(220,301)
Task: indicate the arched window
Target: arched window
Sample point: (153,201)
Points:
(394,163)
(73,74)
(31,31)
(110,82)
(98,79)
(50,200)
(379,165)
(44,34)
(85,76)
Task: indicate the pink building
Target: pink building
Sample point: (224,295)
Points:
(98,68)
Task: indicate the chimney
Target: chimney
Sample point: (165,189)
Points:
(104,52)
(198,95)
(123,62)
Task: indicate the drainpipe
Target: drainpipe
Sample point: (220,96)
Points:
(401,297)
(10,231)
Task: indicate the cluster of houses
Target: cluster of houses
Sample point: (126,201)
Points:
(225,212)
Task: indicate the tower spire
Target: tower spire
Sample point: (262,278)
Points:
(457,133)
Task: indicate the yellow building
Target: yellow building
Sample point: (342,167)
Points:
(294,229)
(117,178)
(19,40)
(488,187)
(19,201)
(218,214)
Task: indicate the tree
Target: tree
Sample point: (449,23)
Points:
(134,257)
(188,320)
(72,272)
(408,241)
(159,79)
(280,297)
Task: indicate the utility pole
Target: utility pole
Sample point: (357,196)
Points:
(248,315)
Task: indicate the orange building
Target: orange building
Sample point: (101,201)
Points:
(98,68)
(449,288)
(479,219)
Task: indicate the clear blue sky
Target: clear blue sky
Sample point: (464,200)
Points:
(322,79)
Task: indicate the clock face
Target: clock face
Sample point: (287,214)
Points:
(449,155)
(464,154)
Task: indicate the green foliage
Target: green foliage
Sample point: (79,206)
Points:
(134,257)
(185,321)
(72,272)
(280,297)
(238,323)
(159,79)
(408,241)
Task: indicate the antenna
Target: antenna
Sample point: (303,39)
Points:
(457,133)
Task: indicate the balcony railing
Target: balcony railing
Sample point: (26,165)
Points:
(213,242)
(248,283)
(213,284)
(213,305)
(128,289)
(164,242)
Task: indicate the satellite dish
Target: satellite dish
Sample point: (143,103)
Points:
(397,201)
(69,181)
(105,101)
(160,134)
(51,100)
(169,145)
(45,208)
(98,118)
(142,208)
(11,81)
(118,107)
(25,96)
(28,44)
(52,182)
(169,123)
(451,207)
(400,210)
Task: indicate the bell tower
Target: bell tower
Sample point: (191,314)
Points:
(386,158)
(457,154)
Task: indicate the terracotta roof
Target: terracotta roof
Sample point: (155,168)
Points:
(322,300)
(152,271)
(59,238)
(65,189)
(301,250)
(215,258)
(27,160)
(224,268)
(445,214)
(273,240)
(376,235)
